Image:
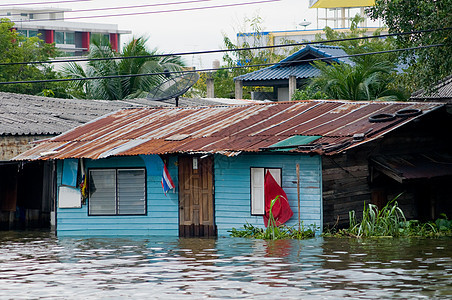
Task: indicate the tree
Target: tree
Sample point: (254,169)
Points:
(124,87)
(370,77)
(366,80)
(429,65)
(238,62)
(16,48)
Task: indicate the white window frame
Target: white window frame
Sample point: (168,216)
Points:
(257,179)
(116,200)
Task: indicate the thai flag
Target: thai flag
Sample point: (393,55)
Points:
(167,182)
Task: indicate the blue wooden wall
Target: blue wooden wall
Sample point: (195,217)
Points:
(232,196)
(162,211)
(232,188)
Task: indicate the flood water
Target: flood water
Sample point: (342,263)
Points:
(37,265)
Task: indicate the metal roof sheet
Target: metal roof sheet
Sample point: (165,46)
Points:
(414,166)
(35,115)
(441,92)
(227,129)
(291,67)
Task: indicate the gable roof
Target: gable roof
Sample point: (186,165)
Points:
(441,92)
(291,66)
(229,130)
(35,115)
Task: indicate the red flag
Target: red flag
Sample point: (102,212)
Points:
(281,209)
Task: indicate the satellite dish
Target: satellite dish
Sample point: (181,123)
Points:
(173,86)
(304,24)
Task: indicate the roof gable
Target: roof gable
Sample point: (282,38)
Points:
(296,64)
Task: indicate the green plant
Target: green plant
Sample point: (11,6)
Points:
(273,232)
(390,221)
(384,222)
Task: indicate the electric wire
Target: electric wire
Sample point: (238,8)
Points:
(46,2)
(107,8)
(211,69)
(156,12)
(227,50)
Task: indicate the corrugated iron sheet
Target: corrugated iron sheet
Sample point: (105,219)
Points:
(226,129)
(414,166)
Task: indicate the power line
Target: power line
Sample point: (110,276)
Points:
(228,50)
(210,70)
(108,8)
(156,12)
(47,2)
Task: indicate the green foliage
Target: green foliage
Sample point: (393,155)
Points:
(390,222)
(273,232)
(124,87)
(223,83)
(362,45)
(373,77)
(309,93)
(280,232)
(366,80)
(426,66)
(384,222)
(15,48)
(224,79)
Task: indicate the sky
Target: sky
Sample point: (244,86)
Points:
(188,30)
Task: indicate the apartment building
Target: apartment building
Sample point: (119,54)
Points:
(49,24)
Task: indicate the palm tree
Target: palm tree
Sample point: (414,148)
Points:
(367,79)
(121,87)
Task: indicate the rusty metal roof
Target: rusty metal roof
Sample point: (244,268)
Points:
(414,166)
(230,129)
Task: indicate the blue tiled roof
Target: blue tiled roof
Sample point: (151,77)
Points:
(299,70)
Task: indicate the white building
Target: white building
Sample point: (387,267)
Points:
(333,13)
(71,37)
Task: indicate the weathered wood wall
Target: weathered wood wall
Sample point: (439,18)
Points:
(346,177)
(345,186)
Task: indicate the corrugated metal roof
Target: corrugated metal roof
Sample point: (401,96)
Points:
(290,67)
(414,166)
(34,115)
(441,92)
(227,129)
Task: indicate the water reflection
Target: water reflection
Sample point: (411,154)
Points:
(40,265)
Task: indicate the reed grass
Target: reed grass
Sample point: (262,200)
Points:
(390,221)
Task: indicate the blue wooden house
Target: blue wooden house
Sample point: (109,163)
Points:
(109,171)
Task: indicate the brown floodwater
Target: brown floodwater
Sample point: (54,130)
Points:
(35,265)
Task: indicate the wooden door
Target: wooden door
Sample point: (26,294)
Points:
(196,212)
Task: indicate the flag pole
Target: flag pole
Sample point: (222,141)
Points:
(298,194)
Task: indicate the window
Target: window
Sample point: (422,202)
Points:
(70,38)
(117,192)
(100,38)
(23,32)
(59,37)
(257,188)
(64,37)
(32,33)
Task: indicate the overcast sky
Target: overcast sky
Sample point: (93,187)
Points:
(190,30)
